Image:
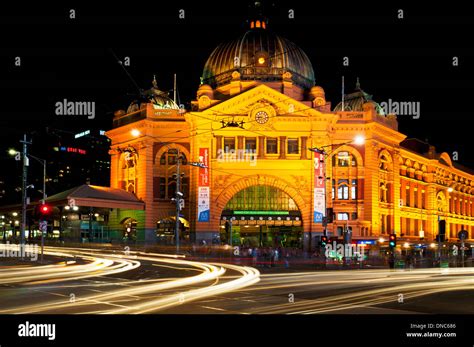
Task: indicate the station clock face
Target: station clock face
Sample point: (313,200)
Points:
(261,117)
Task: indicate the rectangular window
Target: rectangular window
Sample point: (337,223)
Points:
(229,144)
(250,144)
(343,159)
(354,190)
(184,187)
(272,145)
(162,193)
(342,216)
(293,147)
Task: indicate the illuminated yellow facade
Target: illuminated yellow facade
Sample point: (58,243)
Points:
(257,112)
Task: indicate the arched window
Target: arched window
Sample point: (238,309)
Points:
(261,198)
(385,163)
(441,204)
(383,192)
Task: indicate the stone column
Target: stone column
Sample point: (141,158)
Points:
(261,147)
(145,190)
(304,150)
(282,147)
(218,147)
(240,142)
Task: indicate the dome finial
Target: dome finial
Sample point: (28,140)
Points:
(154,83)
(357,84)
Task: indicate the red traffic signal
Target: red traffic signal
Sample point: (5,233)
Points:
(45,209)
(392,240)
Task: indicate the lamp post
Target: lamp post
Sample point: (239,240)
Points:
(42,162)
(24,198)
(358,140)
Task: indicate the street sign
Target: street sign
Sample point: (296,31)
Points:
(43,226)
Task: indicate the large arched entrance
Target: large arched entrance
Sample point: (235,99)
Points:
(262,216)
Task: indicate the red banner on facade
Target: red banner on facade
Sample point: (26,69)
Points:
(204,172)
(204,193)
(319,200)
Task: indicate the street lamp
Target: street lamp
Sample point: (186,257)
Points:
(135,132)
(24,199)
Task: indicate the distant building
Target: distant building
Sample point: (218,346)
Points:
(80,157)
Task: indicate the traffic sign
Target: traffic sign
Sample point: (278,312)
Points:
(43,226)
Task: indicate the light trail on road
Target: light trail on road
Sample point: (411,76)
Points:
(410,284)
(182,287)
(61,272)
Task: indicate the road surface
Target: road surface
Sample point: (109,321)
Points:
(80,280)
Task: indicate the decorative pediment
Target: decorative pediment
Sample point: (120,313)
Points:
(261,96)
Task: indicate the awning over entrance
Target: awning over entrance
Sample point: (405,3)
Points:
(97,196)
(277,218)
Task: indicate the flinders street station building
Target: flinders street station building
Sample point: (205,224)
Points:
(263,153)
(262,158)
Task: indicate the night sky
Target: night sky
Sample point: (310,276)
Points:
(405,60)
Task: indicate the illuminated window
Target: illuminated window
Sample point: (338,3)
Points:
(354,190)
(343,159)
(343,189)
(343,216)
(261,198)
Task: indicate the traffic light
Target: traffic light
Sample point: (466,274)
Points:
(45,209)
(392,241)
(324,240)
(329,215)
